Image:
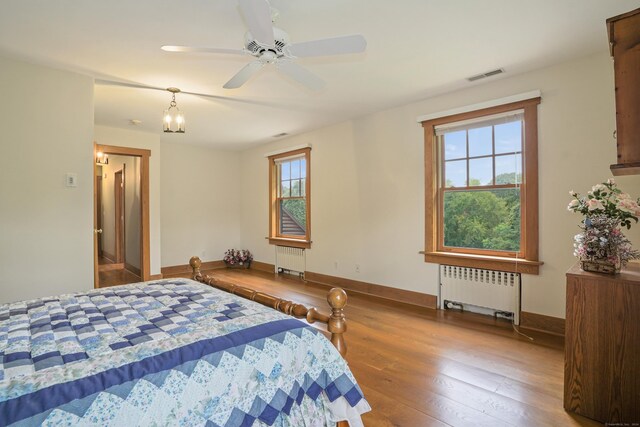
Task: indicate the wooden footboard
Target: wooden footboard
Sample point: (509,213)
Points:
(337,299)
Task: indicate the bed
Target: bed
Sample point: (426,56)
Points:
(174,352)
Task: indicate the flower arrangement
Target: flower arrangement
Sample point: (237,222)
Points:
(606,209)
(234,257)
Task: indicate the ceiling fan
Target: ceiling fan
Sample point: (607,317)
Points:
(271,45)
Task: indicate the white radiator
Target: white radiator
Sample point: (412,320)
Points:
(291,260)
(495,290)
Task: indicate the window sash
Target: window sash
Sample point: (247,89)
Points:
(526,261)
(480,251)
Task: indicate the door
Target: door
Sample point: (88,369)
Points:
(118,192)
(99,212)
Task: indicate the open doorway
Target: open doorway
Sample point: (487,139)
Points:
(121,200)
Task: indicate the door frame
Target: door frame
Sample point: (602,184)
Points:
(145,258)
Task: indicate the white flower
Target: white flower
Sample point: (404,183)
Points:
(573,204)
(611,181)
(573,193)
(598,187)
(624,196)
(594,204)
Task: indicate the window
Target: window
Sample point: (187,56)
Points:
(290,198)
(481,188)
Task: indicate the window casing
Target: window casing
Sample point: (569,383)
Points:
(488,160)
(289,200)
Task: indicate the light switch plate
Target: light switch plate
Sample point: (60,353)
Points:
(71,179)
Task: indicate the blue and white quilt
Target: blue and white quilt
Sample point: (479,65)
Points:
(170,352)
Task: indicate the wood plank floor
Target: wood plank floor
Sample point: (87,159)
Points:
(423,367)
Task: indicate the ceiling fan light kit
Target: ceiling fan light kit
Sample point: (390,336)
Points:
(173,118)
(271,45)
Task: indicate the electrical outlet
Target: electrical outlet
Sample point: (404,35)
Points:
(335,265)
(203,254)
(357,268)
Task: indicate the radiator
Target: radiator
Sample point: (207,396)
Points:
(290,260)
(495,290)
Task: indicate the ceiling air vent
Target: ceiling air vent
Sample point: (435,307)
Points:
(280,135)
(484,75)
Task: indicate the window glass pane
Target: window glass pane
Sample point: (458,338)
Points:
(455,145)
(482,219)
(481,171)
(285,170)
(286,189)
(303,187)
(456,173)
(295,169)
(480,142)
(509,169)
(303,168)
(295,188)
(509,137)
(293,217)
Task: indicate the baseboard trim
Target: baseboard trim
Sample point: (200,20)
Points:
(542,323)
(380,291)
(263,266)
(186,268)
(109,256)
(155,277)
(132,269)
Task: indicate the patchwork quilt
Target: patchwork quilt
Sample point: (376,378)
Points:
(169,352)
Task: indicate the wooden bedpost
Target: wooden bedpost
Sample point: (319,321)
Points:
(195,264)
(337,324)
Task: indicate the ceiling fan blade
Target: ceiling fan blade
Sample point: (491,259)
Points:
(258,16)
(243,75)
(333,46)
(301,74)
(248,101)
(190,49)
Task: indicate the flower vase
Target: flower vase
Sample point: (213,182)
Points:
(600,266)
(244,265)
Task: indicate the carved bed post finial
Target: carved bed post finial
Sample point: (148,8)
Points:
(337,324)
(195,264)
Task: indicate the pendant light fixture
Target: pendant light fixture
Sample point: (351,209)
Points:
(173,121)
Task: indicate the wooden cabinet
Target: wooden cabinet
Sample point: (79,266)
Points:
(602,345)
(624,38)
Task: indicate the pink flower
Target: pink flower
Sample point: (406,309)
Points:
(594,204)
(573,204)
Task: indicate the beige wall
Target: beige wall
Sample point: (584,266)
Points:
(133,139)
(368,182)
(46,238)
(130,165)
(201,191)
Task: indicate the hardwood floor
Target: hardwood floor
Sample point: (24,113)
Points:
(424,367)
(112,274)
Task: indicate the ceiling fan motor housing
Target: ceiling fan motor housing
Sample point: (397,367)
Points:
(281,39)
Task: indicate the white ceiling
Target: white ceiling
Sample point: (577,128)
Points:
(416,49)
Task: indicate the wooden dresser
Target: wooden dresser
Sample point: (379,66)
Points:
(602,345)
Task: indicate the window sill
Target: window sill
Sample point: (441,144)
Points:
(515,265)
(295,243)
